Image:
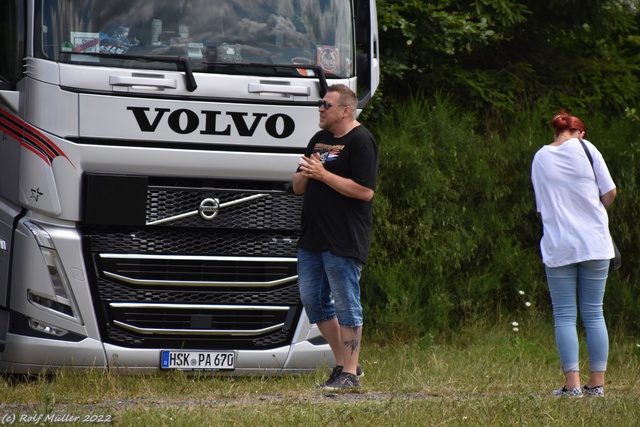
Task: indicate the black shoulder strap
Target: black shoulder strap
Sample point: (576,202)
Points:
(589,157)
(587,152)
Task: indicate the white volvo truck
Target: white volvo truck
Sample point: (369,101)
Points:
(146,151)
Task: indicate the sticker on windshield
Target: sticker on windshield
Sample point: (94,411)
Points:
(66,46)
(328,58)
(85,43)
(301,60)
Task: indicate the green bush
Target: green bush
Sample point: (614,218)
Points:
(456,234)
(619,141)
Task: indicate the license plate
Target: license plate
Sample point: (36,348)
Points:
(201,360)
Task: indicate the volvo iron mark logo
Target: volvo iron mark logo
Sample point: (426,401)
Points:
(209,208)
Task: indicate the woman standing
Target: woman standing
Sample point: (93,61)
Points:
(572,196)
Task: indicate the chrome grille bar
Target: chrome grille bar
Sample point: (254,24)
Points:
(148,270)
(199,283)
(196,258)
(141,307)
(211,332)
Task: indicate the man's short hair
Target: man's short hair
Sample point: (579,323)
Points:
(347,96)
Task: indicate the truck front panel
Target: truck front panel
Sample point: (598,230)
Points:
(146,215)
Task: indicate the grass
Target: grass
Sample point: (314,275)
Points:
(483,376)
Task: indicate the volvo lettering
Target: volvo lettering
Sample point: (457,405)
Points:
(185,121)
(146,150)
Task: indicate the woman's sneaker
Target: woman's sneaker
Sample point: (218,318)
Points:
(572,392)
(597,391)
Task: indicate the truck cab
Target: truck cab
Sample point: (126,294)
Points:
(146,152)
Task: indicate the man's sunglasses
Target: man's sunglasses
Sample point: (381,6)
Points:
(327,105)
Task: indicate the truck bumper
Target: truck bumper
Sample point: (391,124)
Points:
(29,355)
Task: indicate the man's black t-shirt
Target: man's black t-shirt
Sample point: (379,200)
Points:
(331,221)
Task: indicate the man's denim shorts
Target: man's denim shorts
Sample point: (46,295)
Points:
(330,287)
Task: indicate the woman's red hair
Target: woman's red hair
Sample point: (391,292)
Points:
(565,121)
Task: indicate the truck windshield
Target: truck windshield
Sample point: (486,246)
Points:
(215,36)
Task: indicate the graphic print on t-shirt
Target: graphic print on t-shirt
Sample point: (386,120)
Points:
(328,152)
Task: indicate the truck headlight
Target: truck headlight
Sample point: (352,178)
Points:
(61,301)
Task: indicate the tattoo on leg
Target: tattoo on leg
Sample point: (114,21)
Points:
(354,342)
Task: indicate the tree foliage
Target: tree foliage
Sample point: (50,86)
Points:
(498,56)
(456,233)
(468,90)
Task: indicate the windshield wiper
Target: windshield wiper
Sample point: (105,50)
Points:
(179,60)
(322,78)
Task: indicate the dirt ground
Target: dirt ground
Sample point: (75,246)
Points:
(122,405)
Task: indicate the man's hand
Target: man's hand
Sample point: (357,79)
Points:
(312,167)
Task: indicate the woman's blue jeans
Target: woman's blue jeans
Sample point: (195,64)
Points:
(580,286)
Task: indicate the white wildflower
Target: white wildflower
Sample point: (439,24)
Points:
(521,292)
(515,329)
(514,323)
(528,304)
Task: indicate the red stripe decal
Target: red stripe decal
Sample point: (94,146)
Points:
(30,137)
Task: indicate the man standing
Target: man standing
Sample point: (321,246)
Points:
(337,176)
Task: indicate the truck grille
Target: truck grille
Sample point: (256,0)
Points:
(193,283)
